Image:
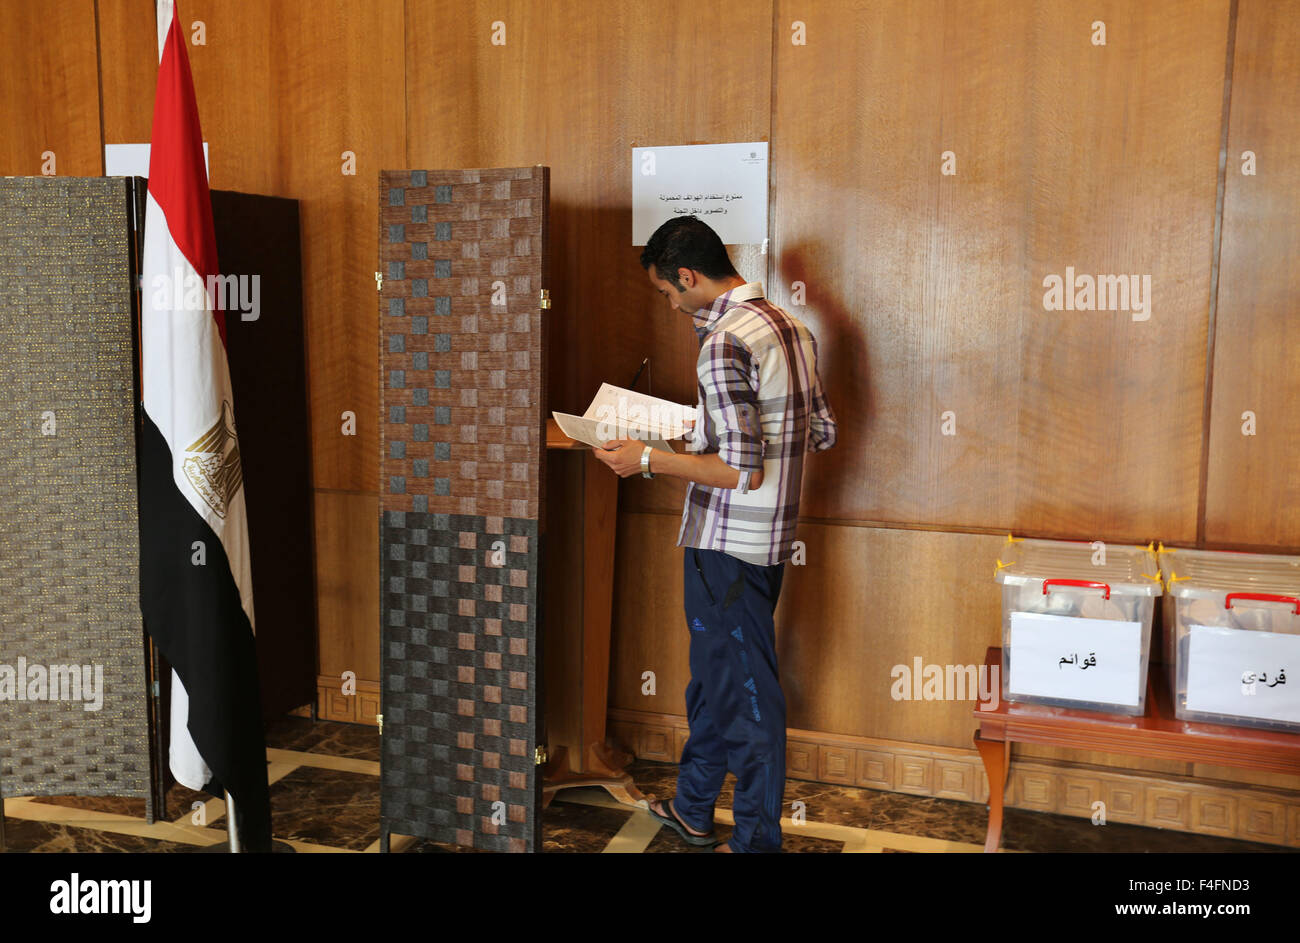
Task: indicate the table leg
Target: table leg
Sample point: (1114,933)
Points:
(994,755)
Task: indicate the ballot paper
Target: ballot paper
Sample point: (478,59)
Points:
(617,413)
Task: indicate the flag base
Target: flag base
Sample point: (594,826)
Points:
(223,848)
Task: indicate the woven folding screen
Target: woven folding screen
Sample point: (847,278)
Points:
(463,259)
(69,533)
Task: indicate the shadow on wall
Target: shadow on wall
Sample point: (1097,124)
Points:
(842,364)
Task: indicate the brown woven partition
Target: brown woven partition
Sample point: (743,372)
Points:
(463,257)
(68,525)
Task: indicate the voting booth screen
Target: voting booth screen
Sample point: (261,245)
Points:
(462,261)
(73,712)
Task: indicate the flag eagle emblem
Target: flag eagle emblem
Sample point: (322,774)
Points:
(212,462)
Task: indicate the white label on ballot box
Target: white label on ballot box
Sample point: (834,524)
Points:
(1243,673)
(1076,659)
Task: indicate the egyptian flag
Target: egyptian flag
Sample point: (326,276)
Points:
(196,589)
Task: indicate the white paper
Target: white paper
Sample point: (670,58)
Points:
(1076,659)
(1224,664)
(616,413)
(723,184)
(589,431)
(132,160)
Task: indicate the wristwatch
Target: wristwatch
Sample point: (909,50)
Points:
(645,463)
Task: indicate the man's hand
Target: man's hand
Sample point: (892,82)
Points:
(622,455)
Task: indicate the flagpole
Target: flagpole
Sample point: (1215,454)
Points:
(232,830)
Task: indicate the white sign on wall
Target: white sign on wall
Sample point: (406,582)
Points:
(1075,659)
(723,184)
(132,160)
(1243,673)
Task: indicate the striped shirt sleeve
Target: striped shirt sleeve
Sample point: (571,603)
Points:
(822,428)
(732,404)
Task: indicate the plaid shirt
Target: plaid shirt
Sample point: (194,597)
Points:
(761,406)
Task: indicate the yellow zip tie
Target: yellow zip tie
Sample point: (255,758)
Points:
(1154,579)
(999,568)
(1014,540)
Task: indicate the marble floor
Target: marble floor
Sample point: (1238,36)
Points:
(325,798)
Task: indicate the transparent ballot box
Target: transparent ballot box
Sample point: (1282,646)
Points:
(1232,636)
(1076,623)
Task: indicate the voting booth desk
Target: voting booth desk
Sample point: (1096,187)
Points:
(1158,734)
(582,499)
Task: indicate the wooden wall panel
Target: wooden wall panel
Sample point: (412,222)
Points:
(575,87)
(1125,141)
(347,583)
(129,67)
(926,291)
(1253,495)
(856,185)
(49,89)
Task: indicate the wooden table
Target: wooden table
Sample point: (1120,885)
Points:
(1159,734)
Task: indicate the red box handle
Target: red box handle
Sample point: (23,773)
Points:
(1105,595)
(1262,597)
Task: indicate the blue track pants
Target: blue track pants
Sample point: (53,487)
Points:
(734,701)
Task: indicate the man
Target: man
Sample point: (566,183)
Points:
(761,407)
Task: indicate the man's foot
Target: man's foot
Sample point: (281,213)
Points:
(666,813)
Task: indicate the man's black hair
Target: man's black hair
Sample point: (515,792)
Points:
(686,242)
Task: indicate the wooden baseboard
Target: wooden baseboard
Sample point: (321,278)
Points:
(360,707)
(1207,807)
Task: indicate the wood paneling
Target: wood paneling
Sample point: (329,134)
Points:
(360,707)
(1253,496)
(575,87)
(49,89)
(129,68)
(347,583)
(925,291)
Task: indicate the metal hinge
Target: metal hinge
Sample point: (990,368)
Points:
(544,299)
(379,281)
(539,754)
(379,718)
(157,689)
